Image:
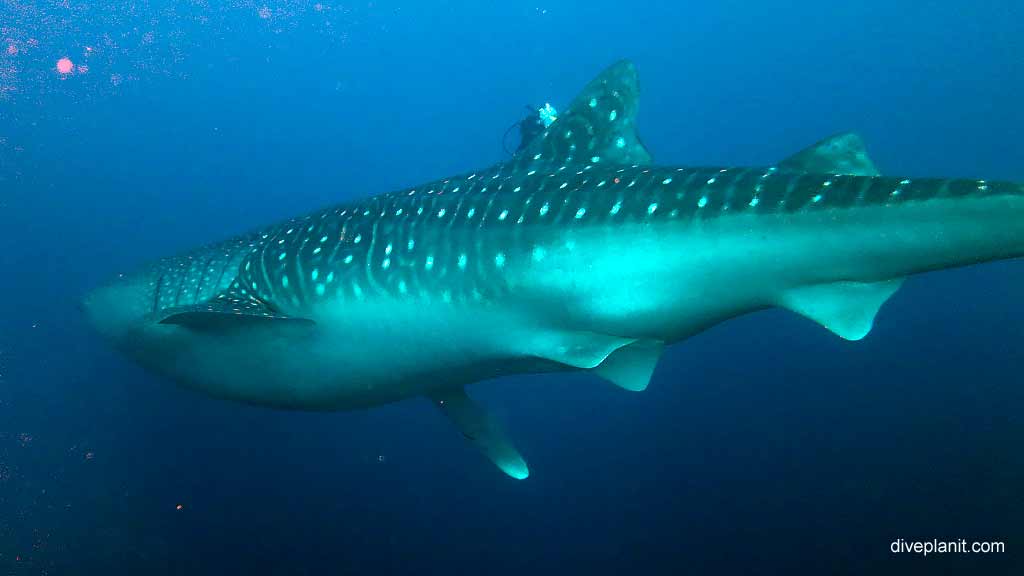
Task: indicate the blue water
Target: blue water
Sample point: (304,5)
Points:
(764,446)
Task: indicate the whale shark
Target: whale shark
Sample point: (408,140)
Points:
(578,253)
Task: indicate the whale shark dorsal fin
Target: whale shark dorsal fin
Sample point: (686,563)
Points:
(840,154)
(598,127)
(480,428)
(229,309)
(631,366)
(846,308)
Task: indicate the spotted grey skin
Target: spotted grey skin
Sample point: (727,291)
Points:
(577,254)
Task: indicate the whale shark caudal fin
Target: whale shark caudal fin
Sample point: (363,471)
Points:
(480,428)
(840,154)
(226,311)
(598,126)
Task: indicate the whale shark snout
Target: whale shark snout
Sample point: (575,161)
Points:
(116,307)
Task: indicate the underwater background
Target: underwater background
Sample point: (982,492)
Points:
(133,130)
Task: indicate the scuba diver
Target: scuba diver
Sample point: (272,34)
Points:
(535,121)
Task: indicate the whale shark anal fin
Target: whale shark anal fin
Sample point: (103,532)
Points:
(480,428)
(848,309)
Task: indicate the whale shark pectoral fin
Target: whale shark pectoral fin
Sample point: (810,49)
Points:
(480,428)
(839,154)
(226,312)
(206,320)
(846,308)
(598,126)
(631,366)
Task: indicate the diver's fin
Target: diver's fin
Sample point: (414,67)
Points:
(229,309)
(839,154)
(599,126)
(846,308)
(631,366)
(482,430)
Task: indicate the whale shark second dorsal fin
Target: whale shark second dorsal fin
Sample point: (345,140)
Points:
(598,127)
(839,154)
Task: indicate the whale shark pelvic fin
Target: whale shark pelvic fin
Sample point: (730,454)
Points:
(631,366)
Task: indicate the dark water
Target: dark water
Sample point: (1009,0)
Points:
(764,446)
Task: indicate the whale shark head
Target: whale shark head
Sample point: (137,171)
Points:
(118,307)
